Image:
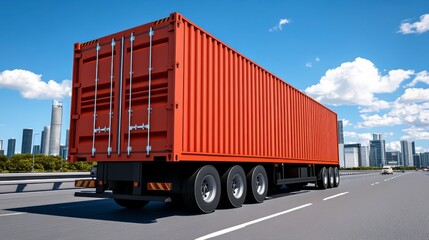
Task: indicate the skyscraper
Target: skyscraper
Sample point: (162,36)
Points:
(340,132)
(11,144)
(407,153)
(377,154)
(364,155)
(424,159)
(376,136)
(27,138)
(1,148)
(393,158)
(352,156)
(55,135)
(44,143)
(36,149)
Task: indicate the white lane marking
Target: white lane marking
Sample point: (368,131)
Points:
(12,214)
(235,228)
(340,194)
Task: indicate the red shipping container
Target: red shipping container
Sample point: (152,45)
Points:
(170,91)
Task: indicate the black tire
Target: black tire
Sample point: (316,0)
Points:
(201,192)
(322,183)
(331,177)
(257,187)
(234,187)
(336,177)
(131,204)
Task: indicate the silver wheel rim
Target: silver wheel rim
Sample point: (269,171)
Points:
(337,177)
(260,184)
(208,189)
(325,178)
(237,186)
(331,178)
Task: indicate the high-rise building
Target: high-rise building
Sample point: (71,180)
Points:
(27,138)
(65,154)
(55,134)
(11,144)
(377,151)
(407,153)
(376,136)
(44,142)
(36,149)
(393,158)
(416,160)
(352,155)
(67,138)
(364,156)
(63,151)
(340,132)
(1,148)
(424,159)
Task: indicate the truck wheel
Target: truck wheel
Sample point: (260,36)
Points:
(336,177)
(233,187)
(257,188)
(202,190)
(331,177)
(322,183)
(131,204)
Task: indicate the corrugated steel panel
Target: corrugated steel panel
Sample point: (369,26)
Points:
(210,103)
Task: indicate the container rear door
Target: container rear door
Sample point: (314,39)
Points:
(120,94)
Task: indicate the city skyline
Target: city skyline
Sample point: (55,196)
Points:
(50,137)
(375,154)
(369,68)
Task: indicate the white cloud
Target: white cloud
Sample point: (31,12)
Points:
(416,133)
(416,27)
(376,120)
(393,146)
(422,76)
(346,122)
(310,64)
(356,83)
(279,26)
(363,138)
(415,95)
(31,86)
(410,113)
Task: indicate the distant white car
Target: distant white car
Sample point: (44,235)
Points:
(387,170)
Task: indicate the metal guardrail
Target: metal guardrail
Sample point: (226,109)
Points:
(357,172)
(32,176)
(22,182)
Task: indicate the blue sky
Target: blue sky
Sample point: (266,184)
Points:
(366,60)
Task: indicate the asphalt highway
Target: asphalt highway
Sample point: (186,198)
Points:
(366,206)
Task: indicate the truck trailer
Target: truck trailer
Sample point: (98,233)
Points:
(170,113)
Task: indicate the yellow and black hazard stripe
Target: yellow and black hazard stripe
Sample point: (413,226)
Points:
(155,186)
(88,43)
(161,21)
(85,183)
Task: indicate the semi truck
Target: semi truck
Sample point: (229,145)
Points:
(171,113)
